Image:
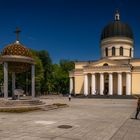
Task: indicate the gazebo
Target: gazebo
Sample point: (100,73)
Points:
(16,58)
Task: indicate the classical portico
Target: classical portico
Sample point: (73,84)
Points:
(102,88)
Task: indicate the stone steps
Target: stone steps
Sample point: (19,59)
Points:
(106,96)
(8,103)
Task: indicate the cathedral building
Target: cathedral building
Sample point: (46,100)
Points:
(117,72)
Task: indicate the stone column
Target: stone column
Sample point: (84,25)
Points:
(101,84)
(33,80)
(110,84)
(93,83)
(13,83)
(5,80)
(71,85)
(128,83)
(119,83)
(86,85)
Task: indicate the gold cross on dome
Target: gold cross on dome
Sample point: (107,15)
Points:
(17,31)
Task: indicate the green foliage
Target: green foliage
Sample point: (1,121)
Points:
(38,74)
(67,65)
(47,66)
(61,76)
(49,78)
(23,80)
(1,73)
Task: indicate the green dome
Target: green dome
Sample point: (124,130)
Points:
(117,29)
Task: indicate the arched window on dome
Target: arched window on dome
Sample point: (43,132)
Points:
(106,51)
(121,51)
(113,51)
(130,53)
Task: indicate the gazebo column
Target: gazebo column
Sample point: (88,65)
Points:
(13,83)
(33,80)
(5,80)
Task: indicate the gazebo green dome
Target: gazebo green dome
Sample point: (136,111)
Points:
(17,49)
(19,57)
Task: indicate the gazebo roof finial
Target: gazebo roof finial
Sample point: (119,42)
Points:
(17,31)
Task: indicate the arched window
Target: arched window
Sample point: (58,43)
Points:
(130,53)
(106,51)
(105,64)
(113,51)
(121,51)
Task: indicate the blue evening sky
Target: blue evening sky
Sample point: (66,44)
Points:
(67,29)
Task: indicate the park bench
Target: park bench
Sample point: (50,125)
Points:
(18,93)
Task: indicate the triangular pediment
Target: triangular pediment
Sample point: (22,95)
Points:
(106,61)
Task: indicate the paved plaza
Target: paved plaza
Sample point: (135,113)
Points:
(91,119)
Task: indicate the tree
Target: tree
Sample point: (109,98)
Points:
(23,80)
(47,66)
(57,76)
(38,74)
(1,73)
(48,77)
(1,76)
(61,76)
(67,65)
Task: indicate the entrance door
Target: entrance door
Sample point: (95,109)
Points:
(124,90)
(106,88)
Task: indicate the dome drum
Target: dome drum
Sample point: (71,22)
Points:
(116,40)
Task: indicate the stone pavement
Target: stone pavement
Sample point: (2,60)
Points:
(91,119)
